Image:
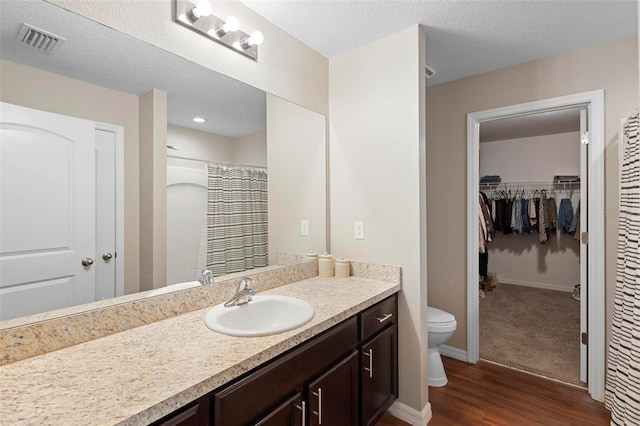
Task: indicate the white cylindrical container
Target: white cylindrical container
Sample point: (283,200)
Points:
(311,256)
(325,266)
(343,268)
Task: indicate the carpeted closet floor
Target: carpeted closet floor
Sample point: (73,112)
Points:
(532,329)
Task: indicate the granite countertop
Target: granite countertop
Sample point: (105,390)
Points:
(140,375)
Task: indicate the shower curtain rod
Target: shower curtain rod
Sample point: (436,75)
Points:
(221,163)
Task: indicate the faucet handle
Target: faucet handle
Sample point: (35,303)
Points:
(245,285)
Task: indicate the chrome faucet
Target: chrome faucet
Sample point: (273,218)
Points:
(243,293)
(205,277)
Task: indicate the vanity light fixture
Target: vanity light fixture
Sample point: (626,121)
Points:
(198,17)
(201,9)
(255,39)
(199,119)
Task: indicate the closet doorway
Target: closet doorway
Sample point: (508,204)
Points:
(590,251)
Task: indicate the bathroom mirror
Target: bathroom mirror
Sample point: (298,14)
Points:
(102,75)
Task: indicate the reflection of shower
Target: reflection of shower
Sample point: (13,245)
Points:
(186,222)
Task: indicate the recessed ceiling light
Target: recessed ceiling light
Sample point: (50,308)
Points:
(199,119)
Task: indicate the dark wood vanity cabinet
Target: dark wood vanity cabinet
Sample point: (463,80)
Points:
(378,359)
(195,414)
(346,376)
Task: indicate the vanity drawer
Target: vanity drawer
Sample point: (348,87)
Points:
(378,317)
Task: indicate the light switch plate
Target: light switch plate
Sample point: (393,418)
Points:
(358,228)
(304,227)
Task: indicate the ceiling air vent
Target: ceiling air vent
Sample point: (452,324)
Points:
(40,40)
(428,71)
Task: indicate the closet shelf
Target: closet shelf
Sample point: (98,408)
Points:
(555,184)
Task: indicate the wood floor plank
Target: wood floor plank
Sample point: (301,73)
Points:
(487,394)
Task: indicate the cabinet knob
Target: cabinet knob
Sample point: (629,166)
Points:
(87,261)
(107,256)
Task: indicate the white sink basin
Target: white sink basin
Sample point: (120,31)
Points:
(262,316)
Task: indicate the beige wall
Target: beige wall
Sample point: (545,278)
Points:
(286,67)
(520,258)
(33,88)
(612,66)
(251,149)
(153,190)
(297,177)
(197,144)
(376,155)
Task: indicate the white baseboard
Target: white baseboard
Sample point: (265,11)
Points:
(544,286)
(454,353)
(410,415)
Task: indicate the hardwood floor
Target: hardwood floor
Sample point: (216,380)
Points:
(488,394)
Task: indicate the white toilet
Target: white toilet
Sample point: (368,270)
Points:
(440,327)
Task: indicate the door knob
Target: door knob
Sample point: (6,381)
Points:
(87,261)
(107,256)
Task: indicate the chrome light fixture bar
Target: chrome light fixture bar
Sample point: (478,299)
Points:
(197,16)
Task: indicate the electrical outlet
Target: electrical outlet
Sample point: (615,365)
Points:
(358,228)
(304,227)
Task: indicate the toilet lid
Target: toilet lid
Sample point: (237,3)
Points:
(438,316)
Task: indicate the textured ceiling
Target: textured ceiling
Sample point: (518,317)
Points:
(99,55)
(463,37)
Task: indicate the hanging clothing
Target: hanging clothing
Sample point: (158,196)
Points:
(517,215)
(552,215)
(501,206)
(575,221)
(508,210)
(533,213)
(542,215)
(622,391)
(485,207)
(565,215)
(524,212)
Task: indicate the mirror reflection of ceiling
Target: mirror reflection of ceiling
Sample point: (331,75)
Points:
(530,125)
(463,38)
(100,55)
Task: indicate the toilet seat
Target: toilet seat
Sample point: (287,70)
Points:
(437,316)
(439,320)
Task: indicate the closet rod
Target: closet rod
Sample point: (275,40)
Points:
(219,163)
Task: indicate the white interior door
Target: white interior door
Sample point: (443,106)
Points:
(105,266)
(584,209)
(47,214)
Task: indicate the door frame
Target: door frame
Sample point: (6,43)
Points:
(118,131)
(596,210)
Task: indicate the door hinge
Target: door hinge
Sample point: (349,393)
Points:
(584,338)
(584,138)
(584,237)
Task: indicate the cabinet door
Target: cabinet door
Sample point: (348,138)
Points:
(194,414)
(333,397)
(290,413)
(379,375)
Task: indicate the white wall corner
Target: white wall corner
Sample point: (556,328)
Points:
(410,415)
(452,352)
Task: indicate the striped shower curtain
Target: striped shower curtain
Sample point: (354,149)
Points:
(237,238)
(622,392)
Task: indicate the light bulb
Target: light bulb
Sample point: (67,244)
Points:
(255,39)
(203,8)
(199,119)
(231,24)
